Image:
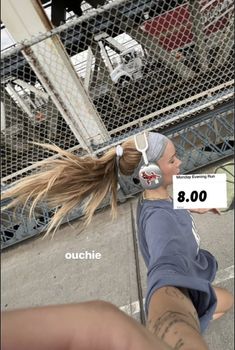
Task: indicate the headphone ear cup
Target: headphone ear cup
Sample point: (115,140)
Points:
(150,176)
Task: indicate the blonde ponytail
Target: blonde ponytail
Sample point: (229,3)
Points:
(69,181)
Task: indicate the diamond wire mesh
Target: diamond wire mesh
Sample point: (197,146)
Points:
(30,115)
(141,63)
(198,143)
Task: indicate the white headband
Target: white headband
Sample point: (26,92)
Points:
(119,151)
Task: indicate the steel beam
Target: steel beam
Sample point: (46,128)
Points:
(31,88)
(99,62)
(200,48)
(226,45)
(20,101)
(55,71)
(106,57)
(88,73)
(3,117)
(72,34)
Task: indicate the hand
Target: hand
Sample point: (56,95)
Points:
(76,326)
(206,210)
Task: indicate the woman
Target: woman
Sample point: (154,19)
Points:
(180,300)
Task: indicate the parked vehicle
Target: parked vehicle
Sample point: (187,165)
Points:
(130,67)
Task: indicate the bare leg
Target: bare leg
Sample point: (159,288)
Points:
(225,301)
(173,318)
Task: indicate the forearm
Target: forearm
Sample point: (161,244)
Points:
(173,319)
(85,326)
(44,328)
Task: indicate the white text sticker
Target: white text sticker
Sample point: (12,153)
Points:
(199,191)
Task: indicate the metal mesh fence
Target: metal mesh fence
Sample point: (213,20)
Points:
(205,139)
(126,67)
(140,63)
(29,116)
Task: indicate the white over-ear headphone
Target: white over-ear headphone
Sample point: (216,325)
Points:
(150,175)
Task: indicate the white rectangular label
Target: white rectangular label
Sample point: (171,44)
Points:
(199,191)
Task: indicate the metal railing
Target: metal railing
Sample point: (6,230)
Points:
(128,66)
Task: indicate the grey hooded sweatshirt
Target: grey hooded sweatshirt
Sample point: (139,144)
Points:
(170,246)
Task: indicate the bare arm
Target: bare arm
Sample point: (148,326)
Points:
(86,326)
(173,319)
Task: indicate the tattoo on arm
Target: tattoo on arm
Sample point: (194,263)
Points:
(174,292)
(179,344)
(182,294)
(163,325)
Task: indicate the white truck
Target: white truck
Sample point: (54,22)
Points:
(129,69)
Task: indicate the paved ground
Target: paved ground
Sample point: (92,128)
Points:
(37,273)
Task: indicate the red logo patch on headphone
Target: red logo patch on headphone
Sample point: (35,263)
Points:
(150,177)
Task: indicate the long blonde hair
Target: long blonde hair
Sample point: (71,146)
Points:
(70,180)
